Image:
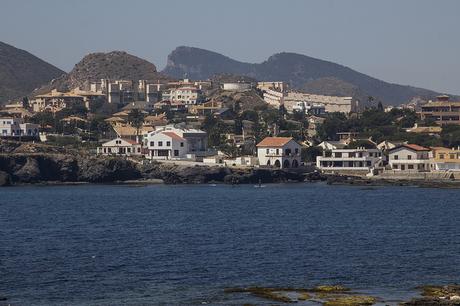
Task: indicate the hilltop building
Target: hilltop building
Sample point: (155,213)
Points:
(279,86)
(442,111)
(290,100)
(188,95)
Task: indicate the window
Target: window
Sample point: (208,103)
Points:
(129,150)
(267,151)
(287,151)
(176,152)
(138,150)
(396,157)
(277,151)
(409,157)
(410,166)
(181,144)
(296,150)
(452,156)
(152,143)
(441,156)
(160,143)
(168,143)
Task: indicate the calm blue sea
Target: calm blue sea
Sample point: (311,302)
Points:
(183,245)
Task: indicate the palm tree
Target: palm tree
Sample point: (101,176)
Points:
(136,119)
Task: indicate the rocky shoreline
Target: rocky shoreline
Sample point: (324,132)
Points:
(26,163)
(49,168)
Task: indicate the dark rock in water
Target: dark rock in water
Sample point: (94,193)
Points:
(104,170)
(5,180)
(29,172)
(175,174)
(430,301)
(437,295)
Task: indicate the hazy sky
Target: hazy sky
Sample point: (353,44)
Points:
(414,42)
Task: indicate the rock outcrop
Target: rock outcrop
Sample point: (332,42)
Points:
(42,167)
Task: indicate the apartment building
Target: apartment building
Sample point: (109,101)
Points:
(442,111)
(359,159)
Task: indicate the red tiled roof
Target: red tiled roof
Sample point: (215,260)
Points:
(274,141)
(413,147)
(130,141)
(173,136)
(416,147)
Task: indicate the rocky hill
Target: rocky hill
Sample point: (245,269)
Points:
(22,72)
(111,65)
(302,72)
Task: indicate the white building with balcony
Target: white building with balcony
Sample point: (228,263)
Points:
(359,159)
(16,127)
(409,158)
(280,152)
(170,142)
(188,95)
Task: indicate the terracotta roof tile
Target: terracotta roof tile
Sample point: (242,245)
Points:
(274,141)
(130,141)
(414,147)
(173,136)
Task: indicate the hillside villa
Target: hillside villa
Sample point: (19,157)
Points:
(442,111)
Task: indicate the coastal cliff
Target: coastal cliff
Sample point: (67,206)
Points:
(38,163)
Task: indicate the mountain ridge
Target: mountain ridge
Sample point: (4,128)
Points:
(21,72)
(297,69)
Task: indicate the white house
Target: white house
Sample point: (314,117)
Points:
(167,145)
(409,157)
(359,159)
(170,142)
(15,127)
(280,152)
(120,146)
